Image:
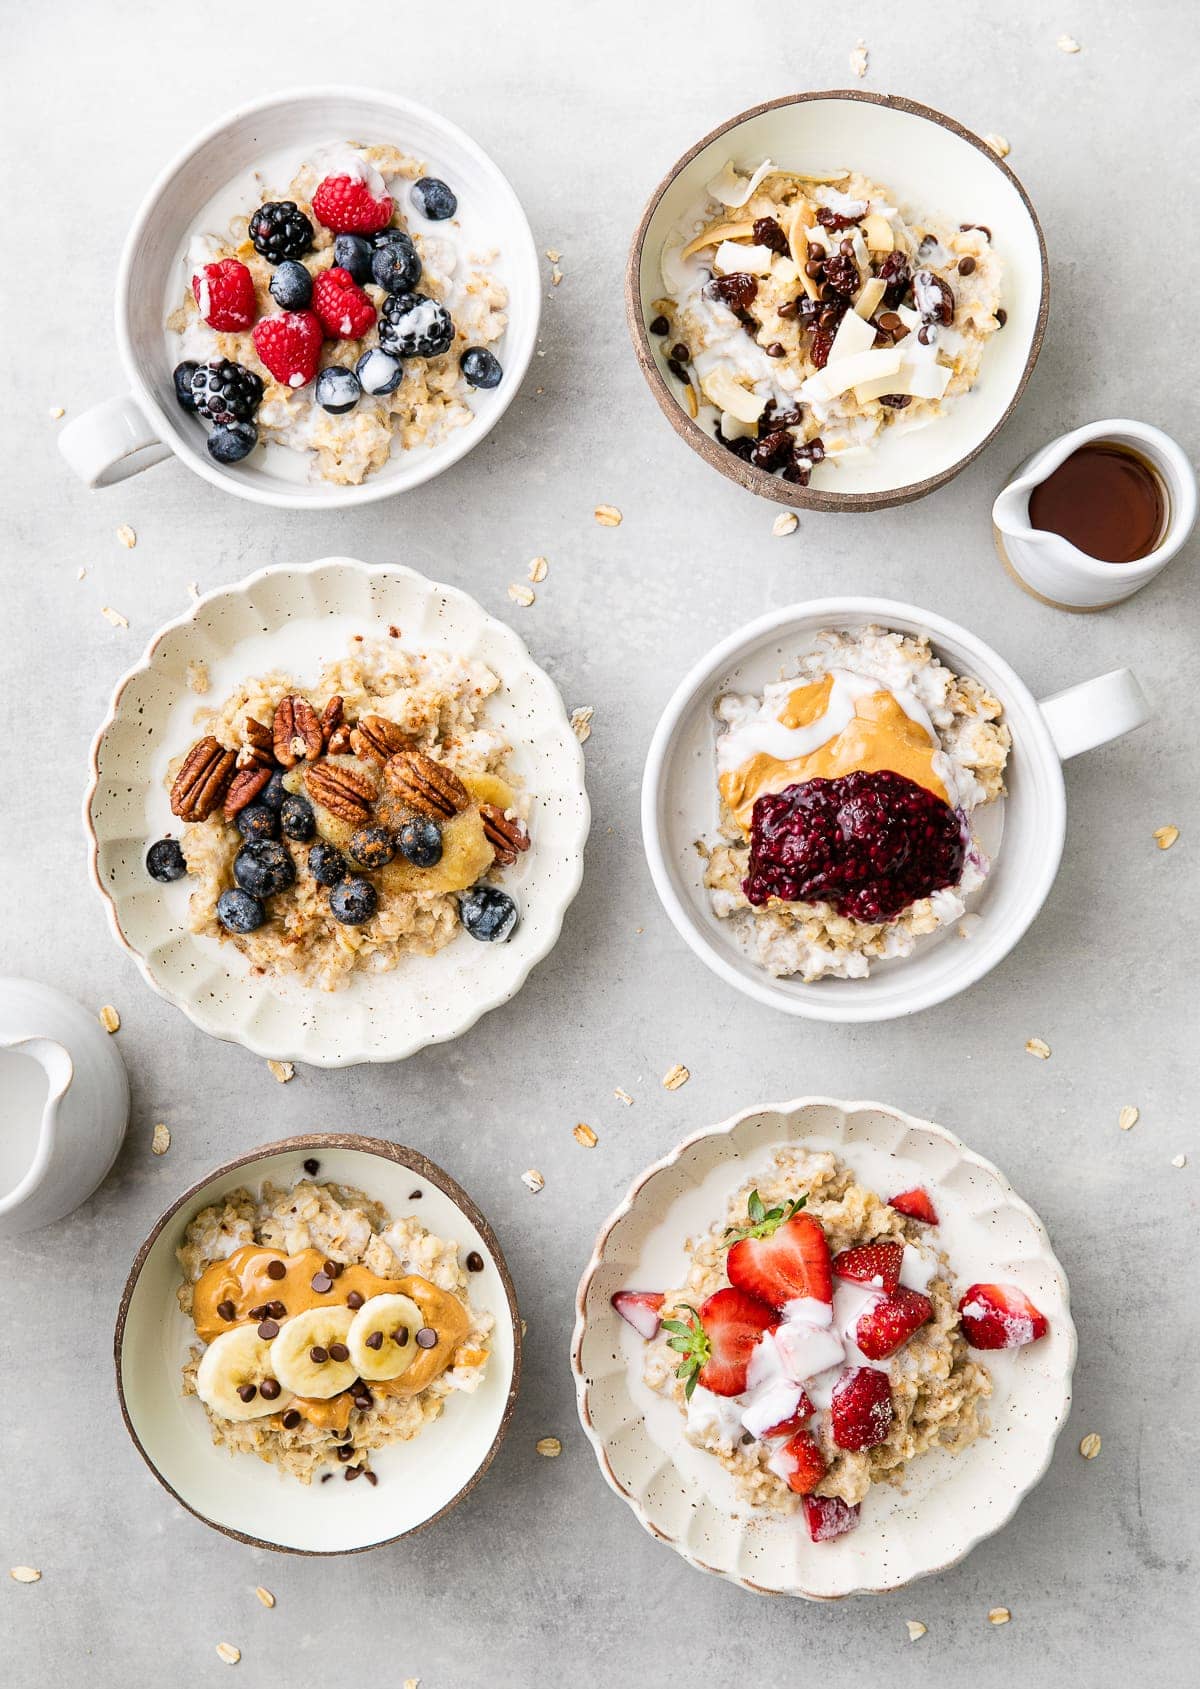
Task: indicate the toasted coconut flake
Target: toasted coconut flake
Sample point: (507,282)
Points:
(691,402)
(858,59)
(1128,1118)
(160,1143)
(999,1615)
(623,1096)
(25,1574)
(607,515)
(916,1629)
(265,1596)
(556,276)
(584,1135)
(539,568)
(113,617)
(533,1180)
(520,594)
(227,1652)
(581,722)
(1089,1448)
(675,1077)
(109,1019)
(127,536)
(1164,837)
(282,1070)
(1038,1047)
(785,523)
(998,145)
(715,234)
(550,1447)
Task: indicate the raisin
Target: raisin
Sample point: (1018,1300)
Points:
(834,220)
(841,273)
(788,419)
(773,450)
(799,474)
(741,447)
(935,298)
(768,233)
(896,401)
(822,341)
(738,290)
(660,325)
(809,310)
(896,273)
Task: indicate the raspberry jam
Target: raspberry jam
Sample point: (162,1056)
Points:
(869,844)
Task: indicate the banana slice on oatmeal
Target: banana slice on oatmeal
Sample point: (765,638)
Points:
(231,1372)
(310,1356)
(383,1338)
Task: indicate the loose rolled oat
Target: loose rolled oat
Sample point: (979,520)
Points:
(539,568)
(56,411)
(1128,1118)
(161,1141)
(113,617)
(1164,837)
(265,1596)
(785,523)
(521,594)
(550,1447)
(1067,44)
(109,1019)
(127,536)
(916,1629)
(1179,1161)
(998,145)
(675,1077)
(25,1574)
(623,1096)
(1038,1047)
(607,515)
(1089,1448)
(282,1070)
(999,1615)
(581,723)
(584,1135)
(858,59)
(227,1652)
(533,1180)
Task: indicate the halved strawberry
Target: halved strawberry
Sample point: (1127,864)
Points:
(717,1340)
(916,1204)
(639,1308)
(799,1463)
(891,1322)
(781,1256)
(860,1408)
(1000,1316)
(829,1516)
(871,1263)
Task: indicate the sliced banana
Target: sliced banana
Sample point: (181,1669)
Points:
(236,1361)
(383,1338)
(303,1354)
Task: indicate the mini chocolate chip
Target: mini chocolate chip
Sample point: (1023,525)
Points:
(660,325)
(317,1355)
(474,1262)
(680,353)
(790,310)
(370,1477)
(260,1313)
(333,1268)
(890,321)
(353,1472)
(227,1310)
(321,1282)
(338,1352)
(291,1419)
(346,1452)
(924,336)
(276,1269)
(427,1337)
(326,1476)
(678,371)
(270,1388)
(775,349)
(812,269)
(400,1335)
(267,1330)
(966,266)
(747,1437)
(312,1166)
(362,1397)
(1002,316)
(415,1196)
(375,1340)
(247,1392)
(277,1310)
(354,1300)
(982,227)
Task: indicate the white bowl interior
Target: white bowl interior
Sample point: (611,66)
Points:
(1023,833)
(948,1502)
(241,1493)
(491,218)
(297,620)
(929,168)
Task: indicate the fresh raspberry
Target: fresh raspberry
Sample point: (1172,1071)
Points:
(346,205)
(860,1409)
(344,310)
(290,346)
(225,295)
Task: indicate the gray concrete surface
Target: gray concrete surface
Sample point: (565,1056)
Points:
(544,1577)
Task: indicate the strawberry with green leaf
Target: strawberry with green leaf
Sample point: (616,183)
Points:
(780,1256)
(716,1341)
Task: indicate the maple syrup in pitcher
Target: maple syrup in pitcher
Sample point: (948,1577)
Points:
(1106,500)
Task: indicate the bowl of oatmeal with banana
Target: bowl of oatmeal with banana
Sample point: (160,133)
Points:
(851,1369)
(294,1325)
(837,298)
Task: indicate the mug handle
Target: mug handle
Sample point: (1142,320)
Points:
(111,442)
(1095,711)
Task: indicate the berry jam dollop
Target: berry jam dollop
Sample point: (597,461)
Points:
(869,844)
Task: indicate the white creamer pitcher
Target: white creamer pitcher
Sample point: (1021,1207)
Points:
(1051,567)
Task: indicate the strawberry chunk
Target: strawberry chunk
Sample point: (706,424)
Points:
(829,1516)
(225,294)
(916,1204)
(717,1341)
(871,1263)
(1000,1316)
(782,1409)
(891,1322)
(799,1463)
(289,345)
(780,1257)
(346,205)
(344,311)
(860,1408)
(640,1309)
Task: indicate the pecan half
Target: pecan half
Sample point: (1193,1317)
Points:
(247,784)
(377,739)
(424,785)
(259,749)
(344,791)
(202,781)
(339,741)
(296,732)
(508,838)
(331,719)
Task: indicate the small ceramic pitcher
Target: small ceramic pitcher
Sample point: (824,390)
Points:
(1057,572)
(64,1105)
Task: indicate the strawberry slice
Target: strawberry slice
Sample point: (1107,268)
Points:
(829,1516)
(860,1408)
(799,1463)
(639,1308)
(871,1263)
(891,1322)
(916,1204)
(1000,1316)
(717,1341)
(781,1256)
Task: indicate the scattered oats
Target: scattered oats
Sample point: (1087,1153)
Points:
(916,1629)
(550,1447)
(282,1070)
(265,1596)
(1179,1161)
(998,145)
(858,58)
(127,536)
(785,523)
(411,1683)
(533,1179)
(607,515)
(538,570)
(227,1652)
(584,1135)
(521,594)
(581,723)
(966,927)
(194,588)
(556,276)
(1128,1118)
(80,572)
(55,412)
(623,1097)
(1038,1047)
(1067,44)
(1164,837)
(114,617)
(1089,1448)
(678,1076)
(552,255)
(109,1019)
(197,675)
(999,1615)
(25,1574)
(161,1141)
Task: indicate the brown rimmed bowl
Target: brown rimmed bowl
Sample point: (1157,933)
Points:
(930,162)
(420,1480)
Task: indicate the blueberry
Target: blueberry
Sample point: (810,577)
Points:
(326,863)
(296,819)
(232,441)
(396,266)
(183,374)
(480,367)
(433,199)
(414,326)
(353,253)
(378,372)
(488,914)
(371,847)
(238,911)
(291,286)
(263,868)
(258,821)
(353,902)
(337,390)
(274,792)
(421,842)
(165,862)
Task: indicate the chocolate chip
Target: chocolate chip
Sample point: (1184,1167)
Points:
(291,1419)
(890,321)
(812,269)
(277,1310)
(775,349)
(312,1166)
(260,1313)
(326,1476)
(346,1452)
(427,1337)
(321,1282)
(227,1310)
(353,1472)
(678,371)
(270,1388)
(660,325)
(415,1196)
(474,1262)
(276,1269)
(333,1268)
(400,1335)
(370,1477)
(338,1352)
(354,1300)
(982,227)
(267,1330)
(317,1355)
(1002,316)
(362,1397)
(680,353)
(375,1340)
(247,1392)
(966,266)
(789,310)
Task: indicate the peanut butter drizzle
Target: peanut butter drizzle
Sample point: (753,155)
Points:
(880,736)
(443,1313)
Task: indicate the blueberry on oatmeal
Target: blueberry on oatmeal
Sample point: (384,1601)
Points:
(296,819)
(326,863)
(232,441)
(434,199)
(165,861)
(353,901)
(489,914)
(263,867)
(353,254)
(240,911)
(292,286)
(421,842)
(337,390)
(378,372)
(223,391)
(182,377)
(371,847)
(414,326)
(396,263)
(481,367)
(257,822)
(274,792)
(279,230)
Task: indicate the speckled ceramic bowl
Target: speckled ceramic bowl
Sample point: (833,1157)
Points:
(948,1503)
(297,619)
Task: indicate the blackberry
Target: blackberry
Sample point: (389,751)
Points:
(224,391)
(182,376)
(482,369)
(413,326)
(230,442)
(165,861)
(433,199)
(279,230)
(396,263)
(489,914)
(291,286)
(352,253)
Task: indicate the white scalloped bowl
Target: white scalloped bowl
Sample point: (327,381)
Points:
(948,1503)
(297,618)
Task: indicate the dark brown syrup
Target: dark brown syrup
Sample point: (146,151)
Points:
(1106,500)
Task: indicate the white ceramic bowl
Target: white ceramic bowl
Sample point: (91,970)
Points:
(297,619)
(127,434)
(1022,833)
(932,163)
(948,1503)
(420,1480)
